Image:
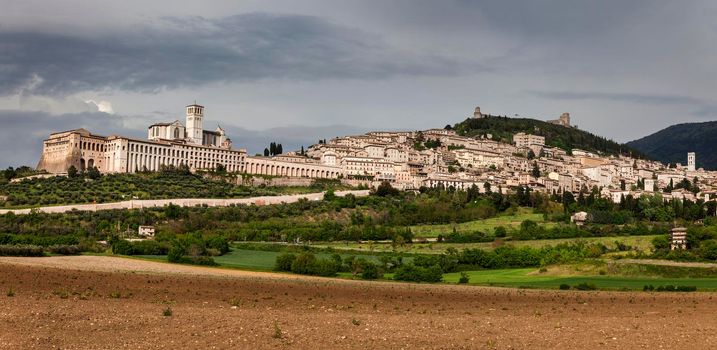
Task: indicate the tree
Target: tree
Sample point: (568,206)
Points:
(72,171)
(385,189)
(266,152)
(500,231)
(302,151)
(329,195)
(531,154)
(536,170)
(670,187)
(93,173)
(279,149)
(448,127)
(10,173)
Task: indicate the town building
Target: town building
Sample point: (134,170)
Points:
(146,231)
(406,159)
(678,238)
(167,144)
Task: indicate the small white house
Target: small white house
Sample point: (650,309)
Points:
(580,218)
(146,231)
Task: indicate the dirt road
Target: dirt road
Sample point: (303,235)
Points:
(101,303)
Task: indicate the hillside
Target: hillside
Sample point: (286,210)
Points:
(671,145)
(503,128)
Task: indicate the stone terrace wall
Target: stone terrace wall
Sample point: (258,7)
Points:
(185,202)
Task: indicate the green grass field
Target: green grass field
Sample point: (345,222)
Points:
(487,225)
(643,243)
(523,278)
(516,278)
(258,260)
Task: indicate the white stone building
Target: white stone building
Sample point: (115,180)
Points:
(167,144)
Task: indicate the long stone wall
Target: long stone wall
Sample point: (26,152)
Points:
(185,202)
(261,166)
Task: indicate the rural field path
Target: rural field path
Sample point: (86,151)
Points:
(185,202)
(95,302)
(664,263)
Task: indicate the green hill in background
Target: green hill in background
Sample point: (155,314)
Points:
(671,145)
(567,138)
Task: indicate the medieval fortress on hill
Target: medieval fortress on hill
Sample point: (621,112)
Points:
(407,159)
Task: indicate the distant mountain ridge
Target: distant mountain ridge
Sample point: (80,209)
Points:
(670,145)
(567,138)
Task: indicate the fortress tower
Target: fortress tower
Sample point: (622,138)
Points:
(195,119)
(477,114)
(565,119)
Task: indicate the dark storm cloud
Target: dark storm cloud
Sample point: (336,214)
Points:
(176,52)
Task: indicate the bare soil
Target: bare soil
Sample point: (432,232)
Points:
(89,302)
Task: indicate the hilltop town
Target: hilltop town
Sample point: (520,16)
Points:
(441,157)
(408,160)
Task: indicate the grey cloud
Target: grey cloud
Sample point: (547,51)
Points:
(621,97)
(291,137)
(179,52)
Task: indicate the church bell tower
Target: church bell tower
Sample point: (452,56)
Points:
(195,119)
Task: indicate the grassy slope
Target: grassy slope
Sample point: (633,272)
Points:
(257,260)
(62,190)
(487,226)
(524,278)
(555,135)
(644,243)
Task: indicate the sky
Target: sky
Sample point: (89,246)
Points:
(294,72)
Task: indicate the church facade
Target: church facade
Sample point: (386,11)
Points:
(167,144)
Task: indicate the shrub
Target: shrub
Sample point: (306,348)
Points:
(176,252)
(585,286)
(64,249)
(564,286)
(303,264)
(167,312)
(371,271)
(284,262)
(671,288)
(219,243)
(149,247)
(122,247)
(199,260)
(21,250)
(324,267)
(464,278)
(413,273)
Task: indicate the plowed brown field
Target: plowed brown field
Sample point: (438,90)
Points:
(90,302)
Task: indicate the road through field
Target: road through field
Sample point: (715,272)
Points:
(185,202)
(93,302)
